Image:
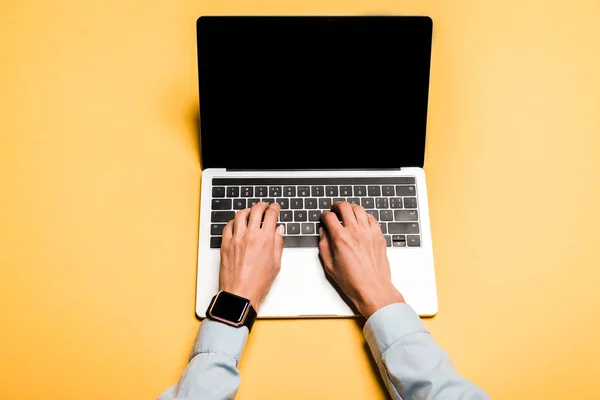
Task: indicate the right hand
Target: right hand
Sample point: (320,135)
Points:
(354,255)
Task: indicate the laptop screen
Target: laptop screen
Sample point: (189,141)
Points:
(313,92)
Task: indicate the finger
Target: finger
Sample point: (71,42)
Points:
(240,222)
(271,215)
(360,214)
(256,215)
(325,249)
(331,222)
(279,244)
(343,210)
(227,233)
(373,223)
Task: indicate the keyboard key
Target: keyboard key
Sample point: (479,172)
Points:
(374,213)
(410,202)
(260,191)
(239,204)
(317,191)
(405,191)
(337,200)
(247,191)
(218,191)
(395,202)
(300,216)
(252,202)
(346,191)
(314,215)
(293,228)
(325,203)
(310,203)
(398,241)
(221,216)
(383,227)
(388,191)
(403,227)
(289,191)
(388,240)
(360,190)
(386,215)
(215,242)
(268,200)
(286,216)
(303,191)
(353,200)
(413,240)
(405,215)
(374,191)
(221,204)
(216,229)
(283,203)
(300,241)
(331,191)
(308,228)
(381,202)
(367,202)
(233,191)
(297,203)
(274,191)
(318,225)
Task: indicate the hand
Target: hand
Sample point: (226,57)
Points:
(251,254)
(354,255)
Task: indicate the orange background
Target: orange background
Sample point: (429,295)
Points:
(100,175)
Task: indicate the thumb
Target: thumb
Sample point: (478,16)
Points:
(325,249)
(279,242)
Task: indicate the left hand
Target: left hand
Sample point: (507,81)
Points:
(251,254)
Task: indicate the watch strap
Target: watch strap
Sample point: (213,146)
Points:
(250,318)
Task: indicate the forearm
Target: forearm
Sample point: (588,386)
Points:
(411,363)
(212,370)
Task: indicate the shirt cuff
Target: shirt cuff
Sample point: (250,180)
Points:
(390,324)
(218,338)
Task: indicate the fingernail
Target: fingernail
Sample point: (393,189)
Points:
(280,230)
(320,231)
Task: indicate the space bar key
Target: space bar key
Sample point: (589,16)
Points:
(300,241)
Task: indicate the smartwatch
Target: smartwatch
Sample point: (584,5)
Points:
(231,310)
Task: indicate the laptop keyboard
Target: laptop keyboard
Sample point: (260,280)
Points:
(392,201)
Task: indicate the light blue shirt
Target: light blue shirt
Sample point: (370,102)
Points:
(411,363)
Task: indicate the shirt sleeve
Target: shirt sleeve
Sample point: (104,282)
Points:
(212,370)
(411,363)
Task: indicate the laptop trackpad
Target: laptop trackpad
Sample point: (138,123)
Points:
(302,288)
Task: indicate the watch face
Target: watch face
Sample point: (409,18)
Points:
(229,307)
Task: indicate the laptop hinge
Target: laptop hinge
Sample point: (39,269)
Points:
(320,169)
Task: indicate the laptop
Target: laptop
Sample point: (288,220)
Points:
(306,111)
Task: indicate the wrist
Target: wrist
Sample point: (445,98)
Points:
(370,304)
